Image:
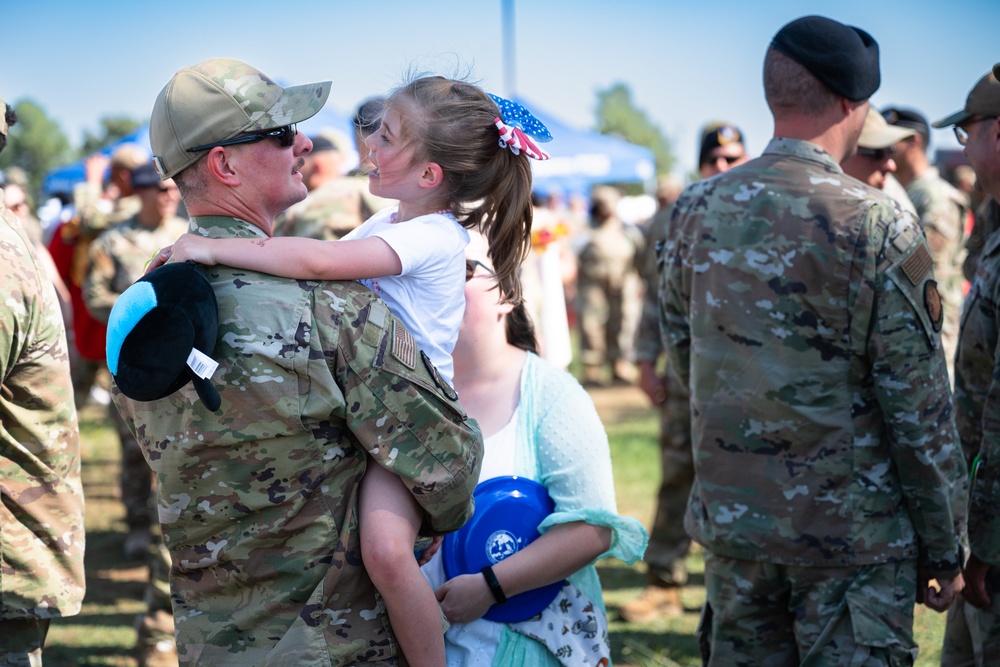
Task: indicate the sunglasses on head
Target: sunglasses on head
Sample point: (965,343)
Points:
(470,269)
(877,154)
(285,136)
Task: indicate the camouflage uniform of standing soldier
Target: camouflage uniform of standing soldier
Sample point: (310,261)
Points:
(607,271)
(317,379)
(334,205)
(942,210)
(118,258)
(721,148)
(972,634)
(799,305)
(41,516)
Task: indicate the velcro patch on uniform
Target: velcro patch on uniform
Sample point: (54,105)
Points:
(404,348)
(932,302)
(917,264)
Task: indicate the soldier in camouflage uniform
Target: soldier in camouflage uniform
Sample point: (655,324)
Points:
(334,205)
(258,502)
(721,148)
(972,634)
(799,306)
(41,517)
(606,279)
(942,210)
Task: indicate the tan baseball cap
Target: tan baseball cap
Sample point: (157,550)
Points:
(983,100)
(219,99)
(877,133)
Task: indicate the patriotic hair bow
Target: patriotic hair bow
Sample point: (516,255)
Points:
(517,127)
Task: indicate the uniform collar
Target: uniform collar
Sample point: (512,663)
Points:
(804,150)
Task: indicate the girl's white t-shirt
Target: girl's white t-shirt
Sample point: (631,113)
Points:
(429,293)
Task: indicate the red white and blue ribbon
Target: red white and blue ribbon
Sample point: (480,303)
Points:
(518,127)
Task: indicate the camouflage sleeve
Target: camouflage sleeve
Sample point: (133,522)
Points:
(648,344)
(86,200)
(912,387)
(984,508)
(97,289)
(407,418)
(674,296)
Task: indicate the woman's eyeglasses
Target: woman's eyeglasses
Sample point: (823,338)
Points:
(285,136)
(470,269)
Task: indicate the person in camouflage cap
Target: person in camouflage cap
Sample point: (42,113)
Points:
(972,633)
(258,502)
(799,306)
(41,517)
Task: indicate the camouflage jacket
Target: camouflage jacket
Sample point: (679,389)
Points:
(328,213)
(799,306)
(648,343)
(259,502)
(41,516)
(977,400)
(118,258)
(943,210)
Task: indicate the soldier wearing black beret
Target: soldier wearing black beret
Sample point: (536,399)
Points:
(799,306)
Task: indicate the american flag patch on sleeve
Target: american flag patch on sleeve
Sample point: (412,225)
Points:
(404,348)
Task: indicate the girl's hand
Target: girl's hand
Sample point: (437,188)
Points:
(464,598)
(159,259)
(193,247)
(429,552)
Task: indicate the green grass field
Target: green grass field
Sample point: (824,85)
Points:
(103,634)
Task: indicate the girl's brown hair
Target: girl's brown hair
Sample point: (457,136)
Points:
(450,123)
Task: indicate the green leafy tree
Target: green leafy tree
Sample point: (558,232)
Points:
(618,116)
(113,128)
(36,144)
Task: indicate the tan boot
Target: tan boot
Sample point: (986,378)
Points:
(654,602)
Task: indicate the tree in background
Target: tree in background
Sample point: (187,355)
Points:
(619,117)
(36,144)
(114,128)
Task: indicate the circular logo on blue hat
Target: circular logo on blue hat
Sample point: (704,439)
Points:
(501,544)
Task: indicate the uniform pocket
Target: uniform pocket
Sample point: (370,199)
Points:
(876,627)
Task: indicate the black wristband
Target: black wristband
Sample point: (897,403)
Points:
(491,581)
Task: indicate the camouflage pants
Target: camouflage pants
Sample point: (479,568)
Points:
(668,541)
(769,615)
(603,310)
(972,636)
(136,477)
(21,642)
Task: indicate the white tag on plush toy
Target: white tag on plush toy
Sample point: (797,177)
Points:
(202,364)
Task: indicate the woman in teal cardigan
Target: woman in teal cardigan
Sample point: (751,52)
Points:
(537,422)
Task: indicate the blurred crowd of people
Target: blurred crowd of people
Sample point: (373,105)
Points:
(622,287)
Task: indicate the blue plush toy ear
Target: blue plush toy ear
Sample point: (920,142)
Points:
(156,325)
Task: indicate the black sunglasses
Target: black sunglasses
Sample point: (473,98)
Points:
(285,136)
(470,269)
(877,154)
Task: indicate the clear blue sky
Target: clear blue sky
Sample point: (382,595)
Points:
(685,62)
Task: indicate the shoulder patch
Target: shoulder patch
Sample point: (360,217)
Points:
(917,265)
(932,302)
(404,347)
(438,380)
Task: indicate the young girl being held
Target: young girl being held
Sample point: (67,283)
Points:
(446,153)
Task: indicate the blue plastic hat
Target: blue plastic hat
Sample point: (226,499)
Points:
(508,511)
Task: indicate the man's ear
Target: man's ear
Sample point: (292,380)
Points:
(432,175)
(221,167)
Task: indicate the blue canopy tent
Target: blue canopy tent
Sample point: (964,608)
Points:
(580,159)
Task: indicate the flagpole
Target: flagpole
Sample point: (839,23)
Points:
(509,56)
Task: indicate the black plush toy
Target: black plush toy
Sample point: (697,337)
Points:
(161,335)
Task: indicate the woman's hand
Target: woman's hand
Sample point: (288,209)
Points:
(465,598)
